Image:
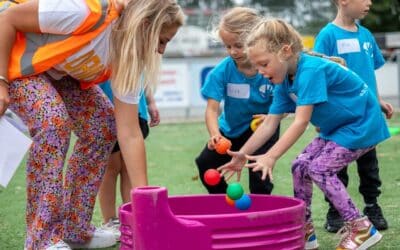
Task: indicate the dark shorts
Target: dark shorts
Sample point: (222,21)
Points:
(144,126)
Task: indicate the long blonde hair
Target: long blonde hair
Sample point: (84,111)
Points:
(238,20)
(134,60)
(272,34)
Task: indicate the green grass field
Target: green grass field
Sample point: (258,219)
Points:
(171,149)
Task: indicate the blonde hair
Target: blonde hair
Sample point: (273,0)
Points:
(238,20)
(273,34)
(134,59)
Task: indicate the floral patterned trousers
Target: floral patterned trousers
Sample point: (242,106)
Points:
(60,200)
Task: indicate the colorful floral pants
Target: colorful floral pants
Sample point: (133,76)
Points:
(60,200)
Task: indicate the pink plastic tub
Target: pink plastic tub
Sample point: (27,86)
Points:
(205,222)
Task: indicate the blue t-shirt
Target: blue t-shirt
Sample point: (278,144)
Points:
(359,49)
(344,108)
(106,87)
(243,96)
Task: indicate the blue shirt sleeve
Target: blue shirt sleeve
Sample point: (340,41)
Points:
(281,103)
(322,43)
(214,86)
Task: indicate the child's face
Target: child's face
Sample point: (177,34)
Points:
(356,9)
(233,46)
(268,64)
(166,35)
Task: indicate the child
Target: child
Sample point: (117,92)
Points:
(50,61)
(332,98)
(345,38)
(246,94)
(116,166)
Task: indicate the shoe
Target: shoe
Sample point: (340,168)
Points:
(359,234)
(334,221)
(100,239)
(61,245)
(113,227)
(310,238)
(375,215)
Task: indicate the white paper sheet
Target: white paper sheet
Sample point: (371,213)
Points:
(13,146)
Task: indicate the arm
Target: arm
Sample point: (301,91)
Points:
(212,113)
(131,142)
(11,22)
(152,109)
(266,162)
(263,133)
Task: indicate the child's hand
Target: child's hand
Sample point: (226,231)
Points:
(234,166)
(213,141)
(154,114)
(261,163)
(386,108)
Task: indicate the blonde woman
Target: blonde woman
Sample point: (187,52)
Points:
(50,62)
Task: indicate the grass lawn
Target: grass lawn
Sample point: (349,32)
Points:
(171,150)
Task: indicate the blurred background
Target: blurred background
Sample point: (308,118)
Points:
(194,51)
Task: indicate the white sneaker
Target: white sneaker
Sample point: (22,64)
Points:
(113,227)
(61,245)
(100,239)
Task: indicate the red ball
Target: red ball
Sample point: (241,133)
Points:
(212,177)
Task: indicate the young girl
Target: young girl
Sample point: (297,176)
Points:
(245,93)
(50,61)
(332,98)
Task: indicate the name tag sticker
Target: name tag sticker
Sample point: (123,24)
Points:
(348,46)
(241,91)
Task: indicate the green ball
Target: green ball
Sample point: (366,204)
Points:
(234,191)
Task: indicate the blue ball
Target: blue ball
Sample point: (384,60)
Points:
(243,203)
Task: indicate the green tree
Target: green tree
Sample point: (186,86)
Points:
(384,16)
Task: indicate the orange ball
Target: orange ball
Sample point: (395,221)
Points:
(229,201)
(222,146)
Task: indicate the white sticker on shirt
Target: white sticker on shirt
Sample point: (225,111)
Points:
(348,46)
(241,91)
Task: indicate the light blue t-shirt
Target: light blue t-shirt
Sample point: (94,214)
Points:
(344,108)
(359,49)
(106,87)
(243,96)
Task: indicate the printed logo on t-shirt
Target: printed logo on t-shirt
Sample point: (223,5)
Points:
(241,91)
(266,90)
(367,46)
(348,46)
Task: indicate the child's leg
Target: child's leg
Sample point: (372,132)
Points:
(94,125)
(302,182)
(125,184)
(41,108)
(323,171)
(107,191)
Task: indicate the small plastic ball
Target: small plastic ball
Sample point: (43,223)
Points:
(234,190)
(243,203)
(255,123)
(212,177)
(229,201)
(222,146)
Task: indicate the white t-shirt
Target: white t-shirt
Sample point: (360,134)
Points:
(64,17)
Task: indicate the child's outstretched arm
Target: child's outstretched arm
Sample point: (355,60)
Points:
(266,162)
(263,133)
(212,113)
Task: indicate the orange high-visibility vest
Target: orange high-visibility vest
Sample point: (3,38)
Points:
(34,53)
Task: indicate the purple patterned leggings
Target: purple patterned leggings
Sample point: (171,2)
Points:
(60,207)
(320,161)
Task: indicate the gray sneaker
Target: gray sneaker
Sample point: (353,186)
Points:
(101,239)
(112,226)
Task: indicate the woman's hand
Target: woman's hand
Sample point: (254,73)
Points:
(234,166)
(262,163)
